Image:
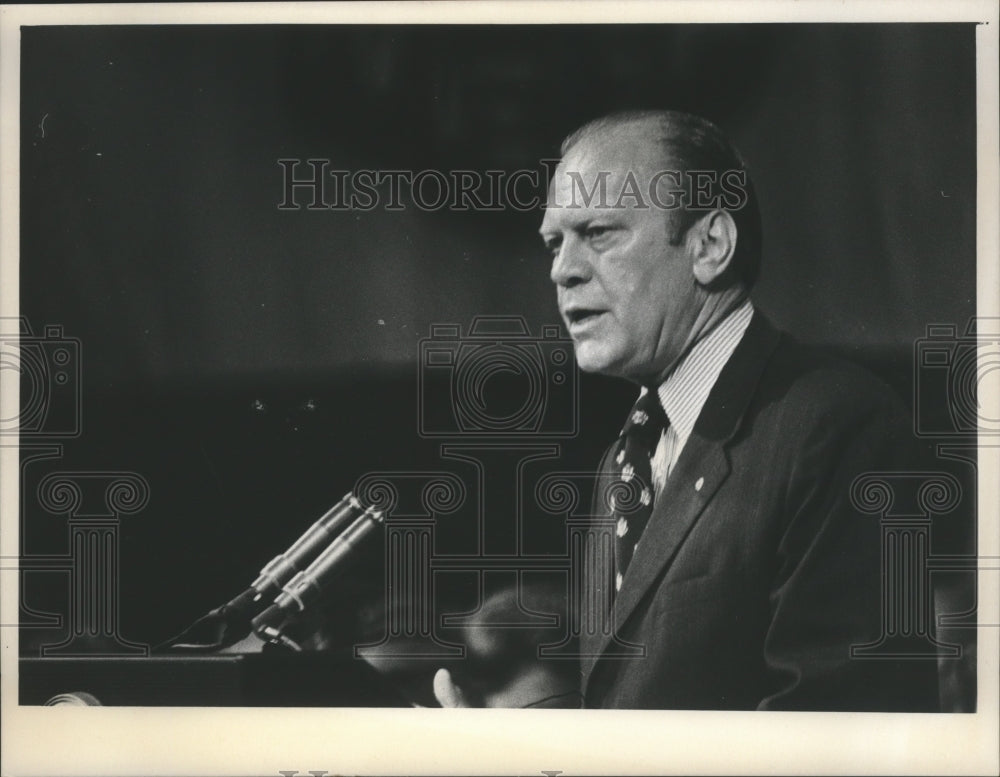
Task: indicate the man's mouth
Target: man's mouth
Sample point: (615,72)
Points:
(581,316)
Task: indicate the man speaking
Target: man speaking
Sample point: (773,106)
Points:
(740,568)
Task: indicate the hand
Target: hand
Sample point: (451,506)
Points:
(535,686)
(447,692)
(503,666)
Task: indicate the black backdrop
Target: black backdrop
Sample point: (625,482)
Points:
(250,363)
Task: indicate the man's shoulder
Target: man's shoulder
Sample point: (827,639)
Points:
(816,412)
(775,385)
(820,372)
(811,384)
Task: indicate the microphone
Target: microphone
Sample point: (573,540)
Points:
(306,548)
(309,585)
(228,624)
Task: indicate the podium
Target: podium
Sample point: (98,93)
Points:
(267,679)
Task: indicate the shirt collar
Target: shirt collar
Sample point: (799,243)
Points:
(684,392)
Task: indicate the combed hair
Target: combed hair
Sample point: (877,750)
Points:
(689,142)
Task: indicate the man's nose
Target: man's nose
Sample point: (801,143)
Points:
(571,264)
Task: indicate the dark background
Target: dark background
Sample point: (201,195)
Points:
(252,363)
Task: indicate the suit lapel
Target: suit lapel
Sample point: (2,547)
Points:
(701,469)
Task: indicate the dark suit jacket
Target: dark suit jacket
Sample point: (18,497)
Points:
(755,575)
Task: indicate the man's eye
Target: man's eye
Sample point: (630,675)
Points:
(552,246)
(596,231)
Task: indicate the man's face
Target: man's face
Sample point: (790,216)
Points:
(627,295)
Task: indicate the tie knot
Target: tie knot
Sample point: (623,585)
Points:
(646,418)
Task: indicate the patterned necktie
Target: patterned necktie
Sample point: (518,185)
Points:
(632,463)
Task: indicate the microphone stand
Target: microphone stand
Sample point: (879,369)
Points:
(310,585)
(217,629)
(224,626)
(277,610)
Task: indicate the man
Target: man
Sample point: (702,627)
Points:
(742,575)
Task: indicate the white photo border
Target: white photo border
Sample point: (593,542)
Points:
(238,741)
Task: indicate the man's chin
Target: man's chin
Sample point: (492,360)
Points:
(594,360)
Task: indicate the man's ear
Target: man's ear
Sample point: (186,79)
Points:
(714,243)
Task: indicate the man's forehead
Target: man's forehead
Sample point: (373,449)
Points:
(601,173)
(614,157)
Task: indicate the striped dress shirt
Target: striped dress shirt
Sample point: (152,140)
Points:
(684,392)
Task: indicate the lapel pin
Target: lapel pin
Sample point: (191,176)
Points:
(699,483)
